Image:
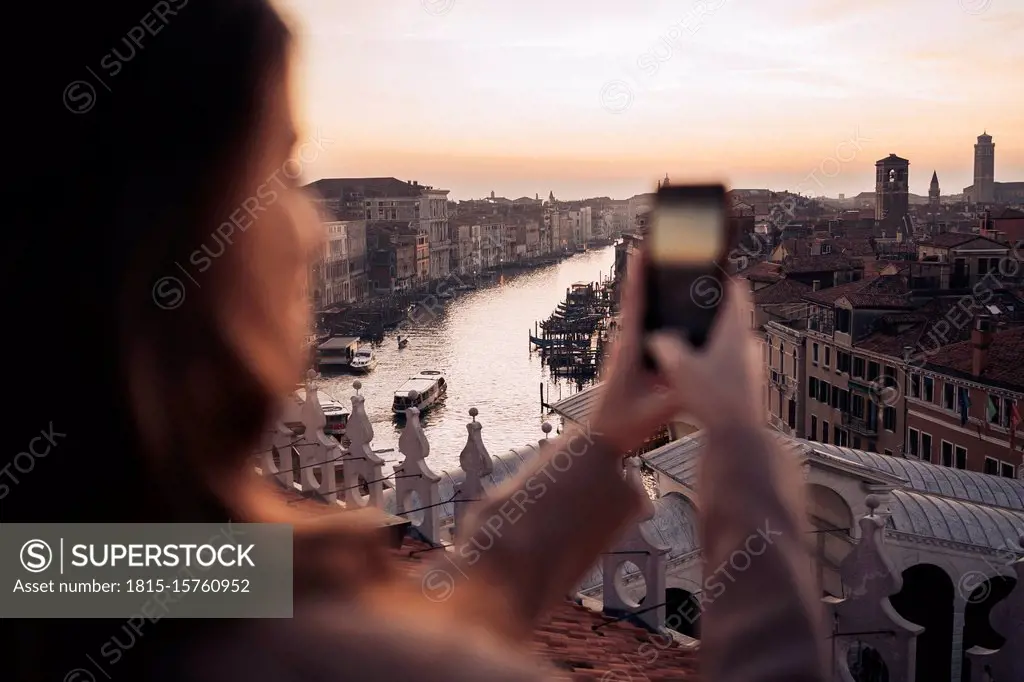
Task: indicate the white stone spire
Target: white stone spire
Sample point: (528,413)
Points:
(361,466)
(476,464)
(320,455)
(417,494)
(871,578)
(639,547)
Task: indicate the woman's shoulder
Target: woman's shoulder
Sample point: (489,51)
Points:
(335,641)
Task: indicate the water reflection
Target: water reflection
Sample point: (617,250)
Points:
(480,341)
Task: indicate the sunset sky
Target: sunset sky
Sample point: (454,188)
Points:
(602,98)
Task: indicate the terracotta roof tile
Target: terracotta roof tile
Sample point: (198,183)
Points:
(855,247)
(887,291)
(920,328)
(784,291)
(762,271)
(950,240)
(580,643)
(1005,363)
(824,263)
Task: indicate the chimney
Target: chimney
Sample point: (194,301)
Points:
(815,285)
(981,339)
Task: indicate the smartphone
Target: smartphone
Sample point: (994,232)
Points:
(686,256)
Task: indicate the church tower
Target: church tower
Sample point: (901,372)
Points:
(933,192)
(892,189)
(984,169)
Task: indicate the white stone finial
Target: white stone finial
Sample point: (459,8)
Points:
(476,464)
(474,458)
(642,548)
(312,413)
(413,478)
(357,384)
(870,578)
(413,442)
(319,453)
(635,479)
(362,466)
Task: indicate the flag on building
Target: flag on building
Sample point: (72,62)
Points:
(991,411)
(965,406)
(1014,421)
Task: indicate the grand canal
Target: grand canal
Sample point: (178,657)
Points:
(480,341)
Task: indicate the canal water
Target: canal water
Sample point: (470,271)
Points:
(480,342)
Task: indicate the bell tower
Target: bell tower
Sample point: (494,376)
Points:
(892,189)
(984,169)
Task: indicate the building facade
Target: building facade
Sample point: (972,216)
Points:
(335,280)
(965,400)
(390,199)
(391,255)
(359,284)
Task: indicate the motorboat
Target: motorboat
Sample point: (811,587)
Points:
(335,412)
(336,353)
(364,360)
(429,386)
(402,343)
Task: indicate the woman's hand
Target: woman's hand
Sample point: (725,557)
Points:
(720,384)
(633,403)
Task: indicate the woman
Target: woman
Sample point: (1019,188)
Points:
(155,218)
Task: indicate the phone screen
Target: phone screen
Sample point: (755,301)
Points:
(685,246)
(687,235)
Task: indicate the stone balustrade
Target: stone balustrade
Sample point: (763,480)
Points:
(1007,619)
(308,461)
(869,634)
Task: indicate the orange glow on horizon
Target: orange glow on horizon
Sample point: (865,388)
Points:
(603,98)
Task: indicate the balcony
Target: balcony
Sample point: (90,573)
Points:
(859,425)
(779,424)
(863,385)
(783,382)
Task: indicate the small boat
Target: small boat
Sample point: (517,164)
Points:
(336,353)
(445,295)
(335,412)
(429,386)
(559,343)
(402,343)
(540,343)
(364,360)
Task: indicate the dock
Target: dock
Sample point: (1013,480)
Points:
(572,340)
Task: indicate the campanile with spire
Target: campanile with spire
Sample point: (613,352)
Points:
(933,192)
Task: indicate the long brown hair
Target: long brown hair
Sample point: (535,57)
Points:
(152,412)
